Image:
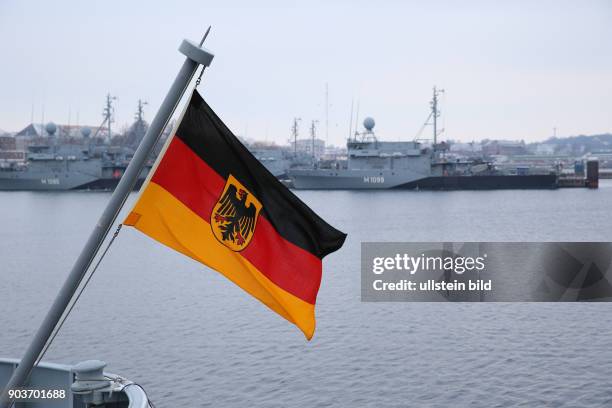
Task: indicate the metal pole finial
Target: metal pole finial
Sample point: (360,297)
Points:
(205,35)
(203,66)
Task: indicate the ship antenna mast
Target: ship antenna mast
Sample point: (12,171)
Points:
(351,121)
(294,132)
(108,113)
(435,114)
(326,113)
(140,111)
(357,119)
(139,126)
(313,134)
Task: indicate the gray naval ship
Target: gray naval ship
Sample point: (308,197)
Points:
(54,165)
(46,167)
(275,159)
(372,164)
(279,160)
(57,167)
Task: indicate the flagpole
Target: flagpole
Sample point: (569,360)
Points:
(195,55)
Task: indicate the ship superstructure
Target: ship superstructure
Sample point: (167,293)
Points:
(55,164)
(370,164)
(374,164)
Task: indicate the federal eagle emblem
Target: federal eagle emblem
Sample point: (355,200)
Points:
(234,217)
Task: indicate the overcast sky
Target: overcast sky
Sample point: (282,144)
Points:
(513,70)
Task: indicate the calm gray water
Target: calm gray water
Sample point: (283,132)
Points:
(191,338)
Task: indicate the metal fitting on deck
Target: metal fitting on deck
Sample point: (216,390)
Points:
(90,381)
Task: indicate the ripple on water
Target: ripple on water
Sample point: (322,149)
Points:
(191,338)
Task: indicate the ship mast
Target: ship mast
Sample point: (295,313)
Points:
(140,111)
(313,133)
(351,121)
(139,128)
(108,113)
(294,133)
(435,113)
(326,113)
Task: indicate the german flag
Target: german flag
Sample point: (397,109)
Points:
(209,198)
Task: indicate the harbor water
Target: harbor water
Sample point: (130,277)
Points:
(192,338)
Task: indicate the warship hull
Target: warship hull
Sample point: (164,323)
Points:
(70,180)
(484,182)
(108,184)
(318,179)
(45,180)
(64,175)
(386,180)
(67,184)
